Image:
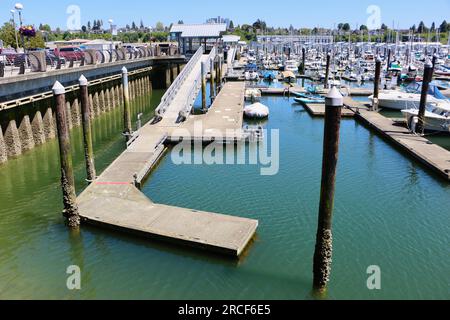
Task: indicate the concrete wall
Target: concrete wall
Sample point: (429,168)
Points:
(25,85)
(25,127)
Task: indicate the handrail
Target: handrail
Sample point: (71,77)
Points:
(193,93)
(179,81)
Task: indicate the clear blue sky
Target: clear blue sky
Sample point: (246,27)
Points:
(299,13)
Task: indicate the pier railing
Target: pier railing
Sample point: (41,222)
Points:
(193,93)
(16,64)
(171,93)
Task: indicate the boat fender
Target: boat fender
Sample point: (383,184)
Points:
(413,121)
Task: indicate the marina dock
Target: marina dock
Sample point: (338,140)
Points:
(114,200)
(420,148)
(223,120)
(318,110)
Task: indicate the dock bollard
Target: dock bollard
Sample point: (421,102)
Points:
(126,105)
(427,78)
(376,87)
(67,178)
(87,129)
(324,242)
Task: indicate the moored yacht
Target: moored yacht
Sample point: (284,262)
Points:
(410,98)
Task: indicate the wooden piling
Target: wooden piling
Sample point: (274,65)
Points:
(212,80)
(126,105)
(427,78)
(87,129)
(324,242)
(204,106)
(376,87)
(327,73)
(302,71)
(389,60)
(67,177)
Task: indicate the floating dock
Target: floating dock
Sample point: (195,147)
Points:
(420,148)
(224,119)
(318,110)
(114,201)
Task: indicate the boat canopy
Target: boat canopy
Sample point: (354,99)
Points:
(433,90)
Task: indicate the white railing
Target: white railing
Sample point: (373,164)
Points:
(169,96)
(197,84)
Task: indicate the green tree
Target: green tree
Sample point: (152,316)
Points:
(159,26)
(346,27)
(363,28)
(433,27)
(45,27)
(444,27)
(422,28)
(231,27)
(35,42)
(7,34)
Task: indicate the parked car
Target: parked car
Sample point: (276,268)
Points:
(8,56)
(52,58)
(70,53)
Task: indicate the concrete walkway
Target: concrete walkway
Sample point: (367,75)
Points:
(114,201)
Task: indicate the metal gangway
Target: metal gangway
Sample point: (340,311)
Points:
(179,99)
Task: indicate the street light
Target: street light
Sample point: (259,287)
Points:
(19,8)
(13,13)
(111,21)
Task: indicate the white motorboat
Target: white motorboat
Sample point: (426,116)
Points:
(251,76)
(410,98)
(291,65)
(252,95)
(256,111)
(436,118)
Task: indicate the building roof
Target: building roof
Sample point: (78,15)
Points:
(208,30)
(231,38)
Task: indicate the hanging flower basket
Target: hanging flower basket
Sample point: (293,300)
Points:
(27,31)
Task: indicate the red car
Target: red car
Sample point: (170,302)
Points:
(70,53)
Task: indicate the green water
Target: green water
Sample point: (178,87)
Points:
(389,212)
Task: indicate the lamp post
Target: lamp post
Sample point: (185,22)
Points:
(19,8)
(13,13)
(111,21)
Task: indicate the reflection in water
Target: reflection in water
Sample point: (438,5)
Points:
(370,227)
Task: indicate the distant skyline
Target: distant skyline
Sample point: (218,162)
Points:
(325,13)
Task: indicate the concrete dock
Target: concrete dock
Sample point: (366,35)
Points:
(223,120)
(318,110)
(421,149)
(114,200)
